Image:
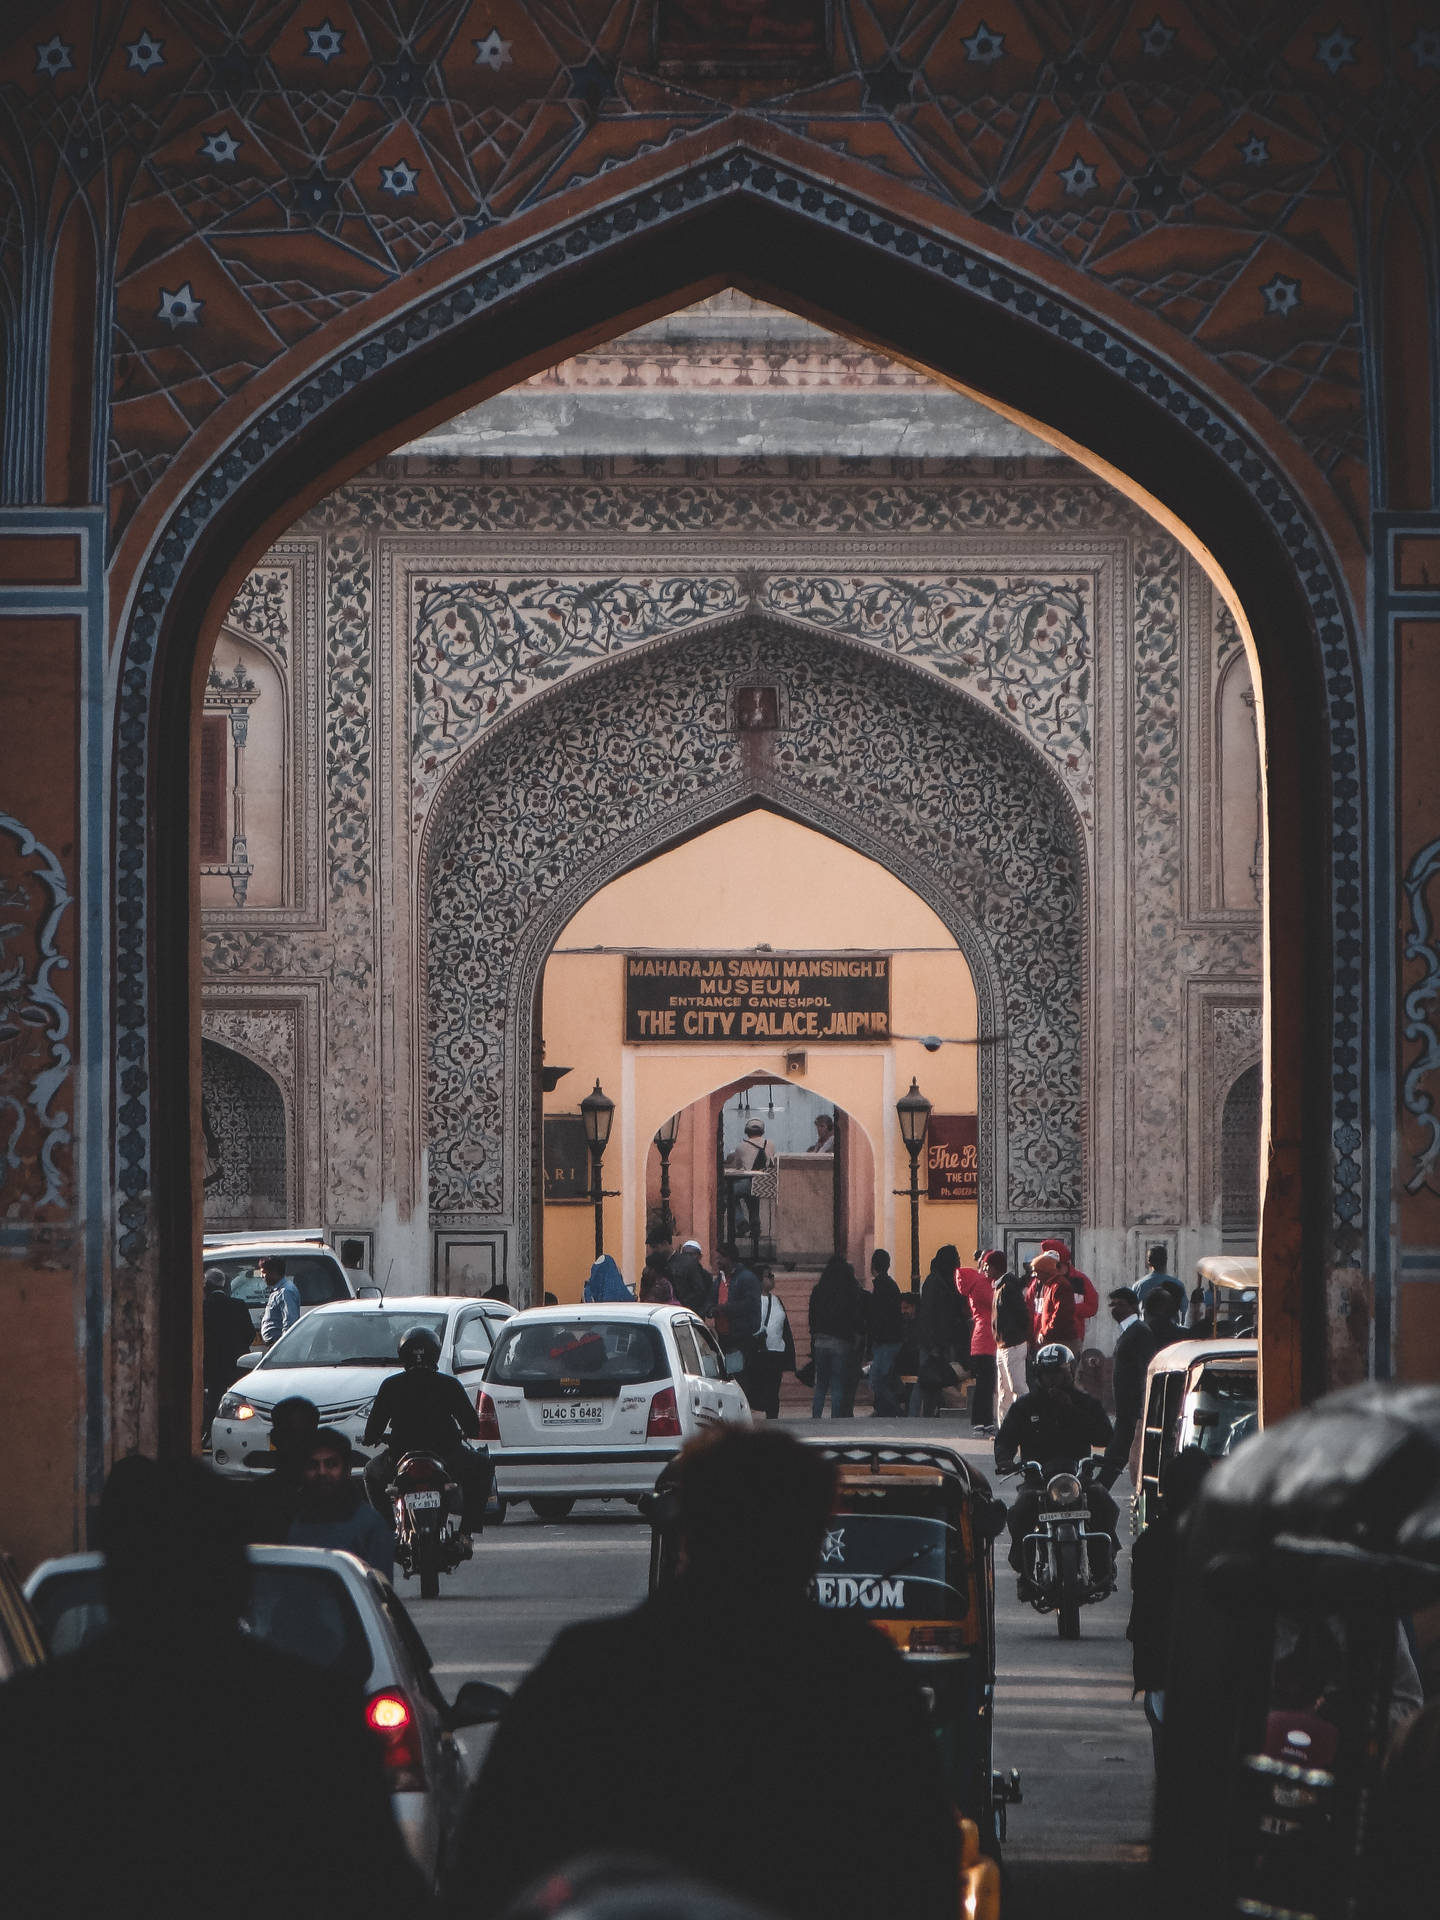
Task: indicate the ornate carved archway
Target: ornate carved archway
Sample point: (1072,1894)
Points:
(626,760)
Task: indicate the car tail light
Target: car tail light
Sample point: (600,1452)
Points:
(664,1421)
(389,1717)
(489,1419)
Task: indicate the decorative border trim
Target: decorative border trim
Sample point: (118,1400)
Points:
(741,174)
(1420,945)
(46,1086)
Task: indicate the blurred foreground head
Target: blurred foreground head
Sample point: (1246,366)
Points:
(753,1510)
(174,1549)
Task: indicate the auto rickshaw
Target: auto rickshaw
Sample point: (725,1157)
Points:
(1306,1556)
(910,1550)
(1229,1285)
(1198,1393)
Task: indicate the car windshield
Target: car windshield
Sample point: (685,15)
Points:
(317,1278)
(303,1611)
(1227,1405)
(599,1352)
(894,1565)
(368,1337)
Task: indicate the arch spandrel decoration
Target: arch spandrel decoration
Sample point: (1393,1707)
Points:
(623,761)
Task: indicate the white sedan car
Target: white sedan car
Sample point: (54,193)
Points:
(593,1400)
(337,1356)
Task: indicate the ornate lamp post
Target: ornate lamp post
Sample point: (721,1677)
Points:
(597,1110)
(665,1141)
(913,1112)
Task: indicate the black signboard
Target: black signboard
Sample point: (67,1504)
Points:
(809,998)
(952,1157)
(567,1158)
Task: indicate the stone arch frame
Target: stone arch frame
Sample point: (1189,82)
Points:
(285,1095)
(1253,1065)
(948,297)
(476,921)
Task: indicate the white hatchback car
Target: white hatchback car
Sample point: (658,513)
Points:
(593,1400)
(336,1357)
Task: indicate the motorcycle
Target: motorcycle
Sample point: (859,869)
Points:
(1068,1562)
(429,1513)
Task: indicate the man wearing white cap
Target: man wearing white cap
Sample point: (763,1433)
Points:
(692,1286)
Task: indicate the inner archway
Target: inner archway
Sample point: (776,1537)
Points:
(624,761)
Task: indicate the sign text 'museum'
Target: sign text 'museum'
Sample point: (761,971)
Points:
(757,996)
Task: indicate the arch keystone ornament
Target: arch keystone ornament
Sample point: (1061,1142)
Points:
(1031,343)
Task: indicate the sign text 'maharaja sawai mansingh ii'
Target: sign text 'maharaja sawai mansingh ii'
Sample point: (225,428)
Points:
(727,997)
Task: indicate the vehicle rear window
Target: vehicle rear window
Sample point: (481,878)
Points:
(303,1611)
(618,1352)
(893,1565)
(317,1278)
(368,1337)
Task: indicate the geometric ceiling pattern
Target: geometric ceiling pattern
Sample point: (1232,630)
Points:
(251,170)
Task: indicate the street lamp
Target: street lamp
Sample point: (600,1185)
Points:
(665,1141)
(597,1111)
(913,1113)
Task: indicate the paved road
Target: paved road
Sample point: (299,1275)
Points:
(1063,1713)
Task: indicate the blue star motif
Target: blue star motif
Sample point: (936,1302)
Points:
(1254,152)
(1335,50)
(327,42)
(145,53)
(179,309)
(399,179)
(1156,38)
(1078,177)
(1426,47)
(54,57)
(220,146)
(983,46)
(1281,295)
(492,51)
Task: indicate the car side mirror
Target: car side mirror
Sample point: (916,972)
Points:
(478,1704)
(734,1365)
(249,1360)
(368,1293)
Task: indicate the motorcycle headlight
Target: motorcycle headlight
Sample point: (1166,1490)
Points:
(234,1406)
(1065,1490)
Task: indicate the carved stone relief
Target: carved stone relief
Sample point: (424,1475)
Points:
(246,1176)
(587,780)
(279,1031)
(35,1055)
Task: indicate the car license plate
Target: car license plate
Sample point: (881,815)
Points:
(422,1499)
(571,1413)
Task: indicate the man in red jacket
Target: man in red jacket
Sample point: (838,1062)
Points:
(1062,1297)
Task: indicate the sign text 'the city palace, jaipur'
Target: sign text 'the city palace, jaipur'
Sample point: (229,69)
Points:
(725,997)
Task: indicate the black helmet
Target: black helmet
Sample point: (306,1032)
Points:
(419,1348)
(1053,1355)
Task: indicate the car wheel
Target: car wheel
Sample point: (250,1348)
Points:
(552,1506)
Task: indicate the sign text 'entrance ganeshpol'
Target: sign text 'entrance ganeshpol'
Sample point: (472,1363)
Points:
(725,997)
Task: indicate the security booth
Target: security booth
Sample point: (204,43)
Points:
(1290,1666)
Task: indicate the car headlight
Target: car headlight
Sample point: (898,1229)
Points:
(1065,1490)
(234,1406)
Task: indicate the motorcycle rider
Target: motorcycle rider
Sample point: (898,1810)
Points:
(1056,1425)
(422,1410)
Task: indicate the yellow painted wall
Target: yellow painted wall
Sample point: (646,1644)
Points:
(757,879)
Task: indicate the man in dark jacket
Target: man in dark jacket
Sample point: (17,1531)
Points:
(1133,1349)
(424,1411)
(690,1282)
(737,1306)
(941,1324)
(226,1332)
(886,1330)
(1013,1326)
(793,1692)
(1056,1425)
(107,1756)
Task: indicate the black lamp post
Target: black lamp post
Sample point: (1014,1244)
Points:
(597,1110)
(913,1113)
(665,1141)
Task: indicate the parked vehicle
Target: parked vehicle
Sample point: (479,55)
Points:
(428,1515)
(1230,1287)
(593,1400)
(1198,1393)
(334,1611)
(911,1550)
(310,1261)
(1290,1671)
(1069,1561)
(337,1356)
(21,1642)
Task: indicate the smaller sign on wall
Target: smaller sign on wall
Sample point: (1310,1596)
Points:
(567,1158)
(952,1157)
